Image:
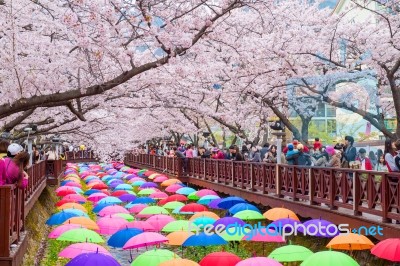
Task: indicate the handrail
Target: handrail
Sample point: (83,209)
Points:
(71,155)
(371,192)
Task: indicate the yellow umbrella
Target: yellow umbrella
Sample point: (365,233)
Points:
(280,213)
(169,182)
(178,237)
(72,205)
(350,241)
(179,262)
(83,221)
(204,214)
(75,179)
(152,176)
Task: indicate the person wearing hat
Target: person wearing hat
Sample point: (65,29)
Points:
(13,149)
(317,144)
(12,170)
(217,154)
(334,157)
(364,160)
(292,154)
(350,152)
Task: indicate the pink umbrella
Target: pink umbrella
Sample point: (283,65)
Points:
(260,236)
(65,188)
(159,195)
(73,184)
(137,208)
(144,240)
(159,221)
(74,250)
(160,179)
(256,261)
(142,225)
(59,230)
(173,188)
(110,225)
(95,197)
(76,197)
(136,179)
(112,209)
(205,192)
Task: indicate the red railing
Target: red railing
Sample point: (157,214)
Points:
(370,192)
(71,155)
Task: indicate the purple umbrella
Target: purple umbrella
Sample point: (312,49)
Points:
(127,197)
(321,228)
(214,204)
(115,183)
(280,223)
(129,177)
(93,259)
(148,185)
(229,221)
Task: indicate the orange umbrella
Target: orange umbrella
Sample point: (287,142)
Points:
(83,221)
(75,179)
(152,176)
(169,182)
(204,214)
(178,237)
(350,241)
(72,205)
(280,213)
(72,175)
(179,262)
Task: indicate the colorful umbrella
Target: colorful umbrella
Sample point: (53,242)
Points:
(173,205)
(185,191)
(220,259)
(93,259)
(106,211)
(143,200)
(178,237)
(127,197)
(264,235)
(76,249)
(101,206)
(136,208)
(193,196)
(204,214)
(144,240)
(179,262)
(206,192)
(350,241)
(179,225)
(59,230)
(193,207)
(95,197)
(173,188)
(81,235)
(320,228)
(214,204)
(147,191)
(148,185)
(153,210)
(159,195)
(84,222)
(388,249)
(109,199)
(242,207)
(119,193)
(288,223)
(110,225)
(154,257)
(142,225)
(235,235)
(173,198)
(203,239)
(60,217)
(125,216)
(159,221)
(169,182)
(201,222)
(160,179)
(249,215)
(290,253)
(256,261)
(329,258)
(205,200)
(76,197)
(118,239)
(229,202)
(229,221)
(280,213)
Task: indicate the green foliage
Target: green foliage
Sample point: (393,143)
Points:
(53,248)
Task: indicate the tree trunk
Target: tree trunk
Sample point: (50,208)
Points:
(305,123)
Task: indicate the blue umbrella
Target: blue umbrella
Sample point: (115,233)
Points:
(229,221)
(111,181)
(205,200)
(214,204)
(65,182)
(118,239)
(119,174)
(109,199)
(229,202)
(93,258)
(60,218)
(91,191)
(99,207)
(87,179)
(201,222)
(243,207)
(144,200)
(185,191)
(76,211)
(138,183)
(107,178)
(203,240)
(124,187)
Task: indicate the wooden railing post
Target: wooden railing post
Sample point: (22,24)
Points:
(295,182)
(278,181)
(356,193)
(251,169)
(311,186)
(216,172)
(6,213)
(385,199)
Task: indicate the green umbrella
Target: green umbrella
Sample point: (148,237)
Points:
(330,258)
(153,210)
(154,257)
(173,205)
(81,235)
(146,191)
(126,216)
(193,196)
(179,225)
(142,171)
(236,235)
(290,253)
(249,215)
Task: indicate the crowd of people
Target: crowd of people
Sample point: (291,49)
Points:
(14,161)
(295,153)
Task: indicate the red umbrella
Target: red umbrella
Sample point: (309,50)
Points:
(220,259)
(193,207)
(118,193)
(66,192)
(63,201)
(388,249)
(76,197)
(99,186)
(137,208)
(173,198)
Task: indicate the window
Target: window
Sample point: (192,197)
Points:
(330,111)
(320,111)
(331,126)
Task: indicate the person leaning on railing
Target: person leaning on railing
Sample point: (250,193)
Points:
(12,170)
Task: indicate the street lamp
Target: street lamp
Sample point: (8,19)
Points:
(31,129)
(278,125)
